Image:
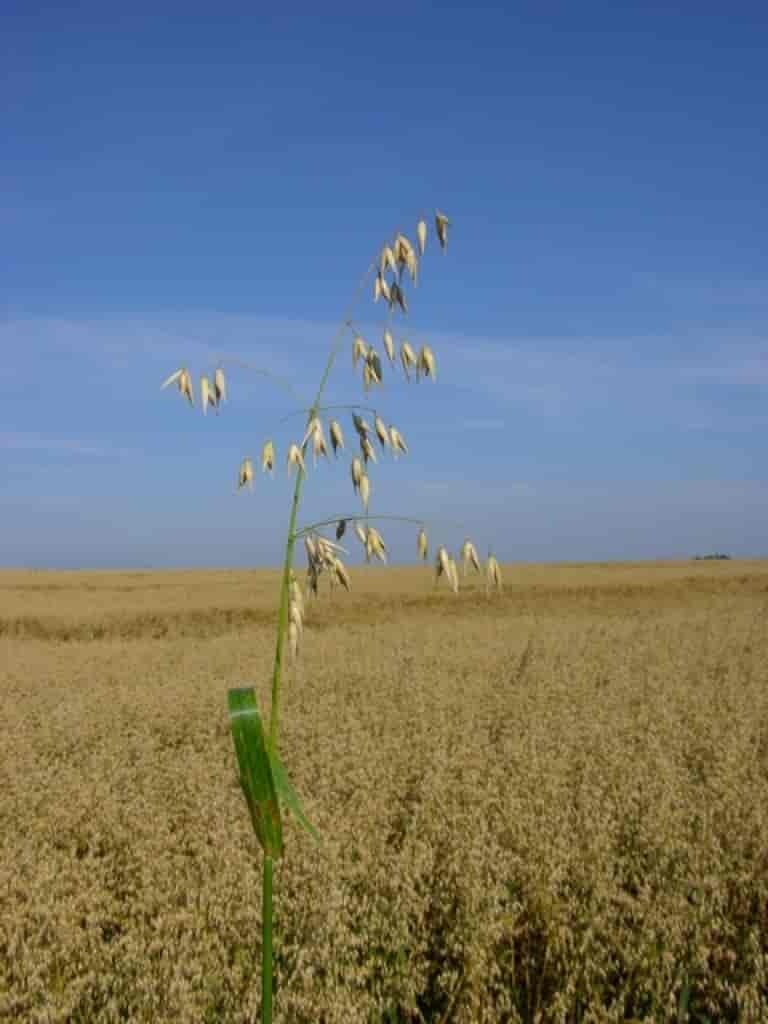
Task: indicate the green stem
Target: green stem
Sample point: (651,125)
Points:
(282,623)
(266,942)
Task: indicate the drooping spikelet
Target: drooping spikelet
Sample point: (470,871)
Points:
(245,475)
(493,574)
(381,431)
(441,226)
(407,358)
(361,534)
(389,346)
(469,556)
(295,458)
(341,574)
(359,350)
(357,471)
(268,457)
(422,545)
(341,528)
(219,386)
(365,490)
(442,562)
(374,545)
(183,379)
(397,441)
(293,639)
(426,362)
(453,576)
(361,426)
(337,436)
(319,447)
(373,363)
(207,396)
(369,452)
(387,260)
(421,234)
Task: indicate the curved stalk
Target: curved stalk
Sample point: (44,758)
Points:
(310,527)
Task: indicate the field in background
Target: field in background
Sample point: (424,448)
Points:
(551,806)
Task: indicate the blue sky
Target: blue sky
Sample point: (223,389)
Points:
(182,182)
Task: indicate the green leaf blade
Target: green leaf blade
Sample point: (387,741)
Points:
(256,778)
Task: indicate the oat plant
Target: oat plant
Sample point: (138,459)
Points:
(393,273)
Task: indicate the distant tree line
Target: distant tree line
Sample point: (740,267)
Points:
(710,558)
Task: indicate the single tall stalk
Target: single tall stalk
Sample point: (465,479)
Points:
(277,675)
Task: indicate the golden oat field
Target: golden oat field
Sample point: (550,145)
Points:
(550,806)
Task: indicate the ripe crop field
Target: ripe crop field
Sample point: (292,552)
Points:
(549,806)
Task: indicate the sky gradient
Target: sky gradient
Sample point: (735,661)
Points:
(186,182)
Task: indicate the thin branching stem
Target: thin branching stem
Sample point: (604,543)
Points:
(354,517)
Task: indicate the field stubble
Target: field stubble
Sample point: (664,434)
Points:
(547,807)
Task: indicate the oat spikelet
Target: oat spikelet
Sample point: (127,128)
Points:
(441,562)
(357,471)
(387,260)
(381,288)
(183,379)
(381,431)
(407,358)
(369,452)
(426,362)
(245,475)
(337,435)
(422,545)
(453,576)
(375,546)
(359,350)
(293,639)
(295,458)
(389,346)
(206,394)
(268,457)
(361,534)
(341,528)
(219,386)
(367,378)
(361,426)
(365,490)
(311,549)
(341,574)
(319,447)
(397,441)
(421,235)
(469,556)
(441,227)
(493,574)
(373,362)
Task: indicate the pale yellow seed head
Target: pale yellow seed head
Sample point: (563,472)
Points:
(397,441)
(268,457)
(173,379)
(469,556)
(426,362)
(387,260)
(245,475)
(341,574)
(185,386)
(398,296)
(293,639)
(337,435)
(422,545)
(421,234)
(359,350)
(311,548)
(389,346)
(369,452)
(206,394)
(493,573)
(219,386)
(365,490)
(453,576)
(377,288)
(295,458)
(361,534)
(294,615)
(319,447)
(407,358)
(381,431)
(357,471)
